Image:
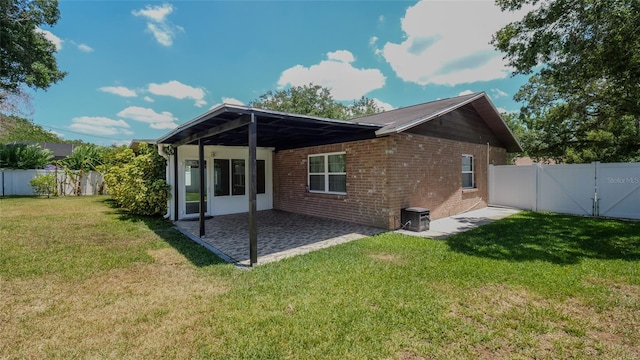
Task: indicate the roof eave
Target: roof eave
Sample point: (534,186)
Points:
(518,147)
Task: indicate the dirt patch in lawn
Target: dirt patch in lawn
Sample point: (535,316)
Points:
(167,256)
(547,328)
(148,310)
(408,355)
(386,257)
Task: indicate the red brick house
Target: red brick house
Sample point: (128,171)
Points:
(433,155)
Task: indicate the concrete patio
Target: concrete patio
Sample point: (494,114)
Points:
(283,234)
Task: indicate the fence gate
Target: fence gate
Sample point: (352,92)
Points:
(618,190)
(567,189)
(596,189)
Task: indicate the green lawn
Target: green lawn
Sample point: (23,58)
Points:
(80,279)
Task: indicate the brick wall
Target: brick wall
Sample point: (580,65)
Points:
(427,172)
(385,175)
(366,198)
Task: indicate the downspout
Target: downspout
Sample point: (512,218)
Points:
(162,153)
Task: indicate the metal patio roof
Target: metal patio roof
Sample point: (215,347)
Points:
(275,129)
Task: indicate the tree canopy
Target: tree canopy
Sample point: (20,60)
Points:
(26,56)
(14,128)
(314,100)
(582,102)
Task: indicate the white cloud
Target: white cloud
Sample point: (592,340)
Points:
(437,50)
(60,135)
(99,126)
(179,90)
(383,105)
(119,90)
(158,23)
(163,120)
(341,56)
(336,73)
(157,13)
(465,92)
(52,38)
(497,93)
(227,100)
(148,99)
(381,18)
(232,101)
(85,48)
(503,110)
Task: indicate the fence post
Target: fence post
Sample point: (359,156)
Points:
(490,187)
(596,200)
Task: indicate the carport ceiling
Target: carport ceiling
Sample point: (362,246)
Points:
(226,125)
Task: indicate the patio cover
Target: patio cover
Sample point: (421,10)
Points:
(226,125)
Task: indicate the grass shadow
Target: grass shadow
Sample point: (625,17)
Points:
(196,254)
(555,238)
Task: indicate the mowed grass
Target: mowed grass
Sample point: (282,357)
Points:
(79,279)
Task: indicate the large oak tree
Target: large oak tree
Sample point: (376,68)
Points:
(314,100)
(582,102)
(26,56)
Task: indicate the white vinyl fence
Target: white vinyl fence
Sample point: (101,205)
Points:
(17,182)
(596,189)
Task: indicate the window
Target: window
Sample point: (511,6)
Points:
(221,177)
(328,173)
(468,181)
(238,180)
(261,173)
(230,177)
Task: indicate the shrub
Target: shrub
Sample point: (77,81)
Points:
(44,184)
(136,182)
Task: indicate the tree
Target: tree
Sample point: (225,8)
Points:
(83,159)
(313,100)
(362,107)
(582,103)
(14,128)
(26,56)
(20,156)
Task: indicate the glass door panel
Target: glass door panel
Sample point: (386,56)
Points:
(192,186)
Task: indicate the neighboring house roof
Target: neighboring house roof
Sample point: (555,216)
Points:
(60,151)
(223,125)
(135,143)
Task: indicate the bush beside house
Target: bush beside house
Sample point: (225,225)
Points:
(136,180)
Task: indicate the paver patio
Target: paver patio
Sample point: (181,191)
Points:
(280,234)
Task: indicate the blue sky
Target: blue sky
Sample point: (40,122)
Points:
(137,69)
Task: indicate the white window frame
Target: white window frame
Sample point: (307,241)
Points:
(472,172)
(325,173)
